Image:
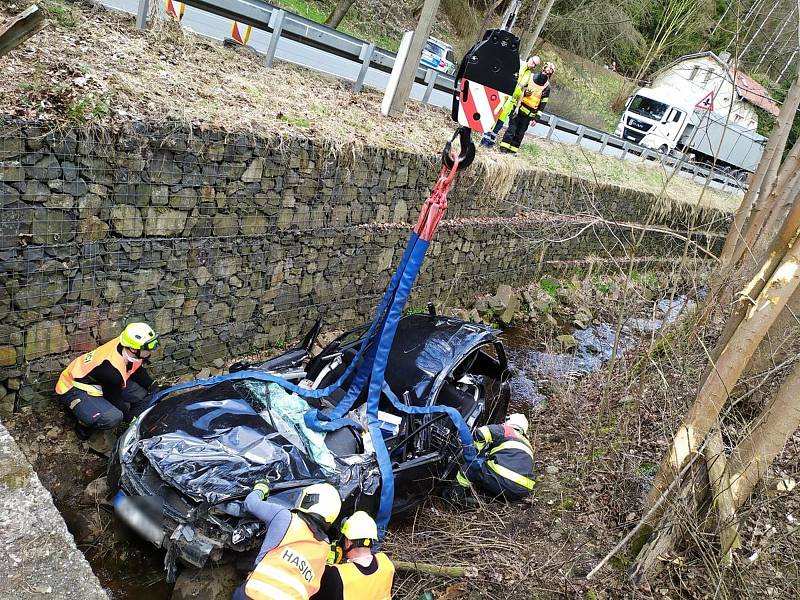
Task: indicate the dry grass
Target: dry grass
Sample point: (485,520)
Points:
(91,66)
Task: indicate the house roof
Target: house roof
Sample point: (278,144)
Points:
(747,88)
(754,93)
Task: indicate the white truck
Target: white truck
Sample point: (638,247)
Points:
(656,119)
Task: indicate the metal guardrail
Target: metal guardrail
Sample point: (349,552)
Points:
(280,23)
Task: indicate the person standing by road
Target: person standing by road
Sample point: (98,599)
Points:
(292,557)
(365,574)
(533,101)
(526,75)
(109,384)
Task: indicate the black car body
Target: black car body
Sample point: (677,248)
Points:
(185,465)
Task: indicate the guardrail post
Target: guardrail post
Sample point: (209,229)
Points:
(625,148)
(365,56)
(604,143)
(276,24)
(430,80)
(579,133)
(645,154)
(141,14)
(553,123)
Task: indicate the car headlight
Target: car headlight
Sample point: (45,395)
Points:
(128,439)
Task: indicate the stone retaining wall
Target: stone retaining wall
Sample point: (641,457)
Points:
(230,245)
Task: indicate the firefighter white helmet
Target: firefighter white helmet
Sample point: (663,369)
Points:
(518,421)
(320,499)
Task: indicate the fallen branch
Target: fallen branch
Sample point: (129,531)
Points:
(418,567)
(20,28)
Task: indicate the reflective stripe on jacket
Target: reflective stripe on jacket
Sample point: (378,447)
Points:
(525,76)
(293,569)
(82,366)
(376,586)
(508,454)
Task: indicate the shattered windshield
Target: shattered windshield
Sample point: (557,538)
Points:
(647,107)
(286,412)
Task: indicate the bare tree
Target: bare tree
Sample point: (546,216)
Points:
(338,13)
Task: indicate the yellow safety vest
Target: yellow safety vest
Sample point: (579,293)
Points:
(293,569)
(86,363)
(358,586)
(533,100)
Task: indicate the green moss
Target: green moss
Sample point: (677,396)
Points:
(297,121)
(62,14)
(15,478)
(549,286)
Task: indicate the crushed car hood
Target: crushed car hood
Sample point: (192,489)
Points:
(211,444)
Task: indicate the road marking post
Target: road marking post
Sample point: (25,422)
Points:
(367,50)
(141,14)
(604,143)
(553,122)
(276,24)
(430,81)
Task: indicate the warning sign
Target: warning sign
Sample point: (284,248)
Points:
(707,103)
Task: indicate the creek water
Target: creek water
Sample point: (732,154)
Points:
(535,369)
(132,569)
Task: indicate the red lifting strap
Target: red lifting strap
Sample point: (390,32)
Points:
(436,205)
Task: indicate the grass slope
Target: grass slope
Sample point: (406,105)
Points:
(91,66)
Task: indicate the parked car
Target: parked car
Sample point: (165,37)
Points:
(438,55)
(183,468)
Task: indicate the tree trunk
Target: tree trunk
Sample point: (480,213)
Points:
(728,369)
(753,455)
(526,45)
(338,13)
(780,202)
(757,188)
(721,496)
(680,514)
(762,207)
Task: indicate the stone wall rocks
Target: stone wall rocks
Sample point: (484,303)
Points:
(229,244)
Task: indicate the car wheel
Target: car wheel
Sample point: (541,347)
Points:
(663,149)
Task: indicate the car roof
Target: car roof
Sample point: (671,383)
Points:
(439,42)
(425,346)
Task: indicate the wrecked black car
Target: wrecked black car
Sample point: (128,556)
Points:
(183,468)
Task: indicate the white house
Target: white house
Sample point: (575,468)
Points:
(710,79)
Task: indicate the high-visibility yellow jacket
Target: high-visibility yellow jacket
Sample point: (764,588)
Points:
(293,569)
(357,585)
(78,373)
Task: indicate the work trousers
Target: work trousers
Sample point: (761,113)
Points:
(95,412)
(491,484)
(516,131)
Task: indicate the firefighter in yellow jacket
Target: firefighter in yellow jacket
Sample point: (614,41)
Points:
(365,574)
(504,465)
(109,384)
(295,549)
(530,108)
(526,74)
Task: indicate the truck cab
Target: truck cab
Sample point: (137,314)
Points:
(654,120)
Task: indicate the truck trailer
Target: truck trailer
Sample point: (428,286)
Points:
(656,119)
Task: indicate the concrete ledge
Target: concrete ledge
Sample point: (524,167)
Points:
(38,557)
